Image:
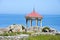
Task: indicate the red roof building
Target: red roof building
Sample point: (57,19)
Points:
(34,16)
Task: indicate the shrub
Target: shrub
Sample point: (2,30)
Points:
(44,29)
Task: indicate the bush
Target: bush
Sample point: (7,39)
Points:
(44,29)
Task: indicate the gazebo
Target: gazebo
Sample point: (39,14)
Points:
(33,16)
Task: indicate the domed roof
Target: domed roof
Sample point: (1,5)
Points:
(33,14)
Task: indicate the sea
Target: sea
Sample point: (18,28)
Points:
(52,21)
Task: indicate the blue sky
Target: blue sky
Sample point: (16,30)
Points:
(26,6)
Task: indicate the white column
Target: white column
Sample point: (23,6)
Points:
(36,22)
(40,25)
(37,25)
(30,22)
(26,23)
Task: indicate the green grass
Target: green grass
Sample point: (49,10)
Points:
(45,37)
(14,33)
(10,34)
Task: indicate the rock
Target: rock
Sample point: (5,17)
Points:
(15,28)
(2,30)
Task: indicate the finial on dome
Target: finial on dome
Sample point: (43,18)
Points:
(34,9)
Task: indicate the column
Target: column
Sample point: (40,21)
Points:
(36,22)
(40,25)
(26,25)
(31,22)
(26,22)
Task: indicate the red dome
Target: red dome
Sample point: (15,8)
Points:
(34,15)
